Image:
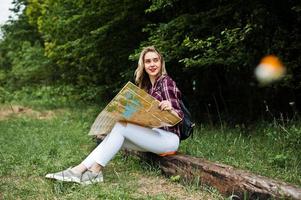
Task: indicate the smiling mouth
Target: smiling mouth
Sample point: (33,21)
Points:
(152,70)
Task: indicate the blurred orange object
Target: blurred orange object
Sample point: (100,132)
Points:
(269,69)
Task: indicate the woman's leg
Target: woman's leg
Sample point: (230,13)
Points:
(130,135)
(81,168)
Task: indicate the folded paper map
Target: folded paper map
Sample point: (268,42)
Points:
(132,105)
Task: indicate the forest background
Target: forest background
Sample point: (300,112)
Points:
(87,50)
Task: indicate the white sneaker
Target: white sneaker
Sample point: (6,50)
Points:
(89,177)
(67,176)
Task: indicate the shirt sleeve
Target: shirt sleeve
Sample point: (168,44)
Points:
(172,94)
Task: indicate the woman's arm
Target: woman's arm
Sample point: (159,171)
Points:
(172,96)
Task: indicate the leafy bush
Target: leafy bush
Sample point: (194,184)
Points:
(3,94)
(30,65)
(43,95)
(51,96)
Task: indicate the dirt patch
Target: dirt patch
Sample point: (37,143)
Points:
(150,186)
(18,111)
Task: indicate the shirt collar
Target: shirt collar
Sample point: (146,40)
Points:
(157,81)
(159,78)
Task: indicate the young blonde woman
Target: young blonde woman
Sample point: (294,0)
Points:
(151,76)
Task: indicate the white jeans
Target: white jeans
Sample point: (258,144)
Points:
(133,137)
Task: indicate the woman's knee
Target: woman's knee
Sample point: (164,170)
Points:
(119,126)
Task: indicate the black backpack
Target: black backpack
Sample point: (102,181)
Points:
(187,124)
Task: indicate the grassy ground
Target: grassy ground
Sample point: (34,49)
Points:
(265,150)
(34,143)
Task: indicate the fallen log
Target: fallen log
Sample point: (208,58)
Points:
(228,180)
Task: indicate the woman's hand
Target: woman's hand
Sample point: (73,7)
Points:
(165,105)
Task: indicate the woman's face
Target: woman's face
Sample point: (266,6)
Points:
(152,64)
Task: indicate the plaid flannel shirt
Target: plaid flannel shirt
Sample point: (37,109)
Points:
(165,89)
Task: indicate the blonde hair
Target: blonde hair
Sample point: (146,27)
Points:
(141,77)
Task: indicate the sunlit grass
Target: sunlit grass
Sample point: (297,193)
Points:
(32,147)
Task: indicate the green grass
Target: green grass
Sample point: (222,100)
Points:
(265,150)
(30,148)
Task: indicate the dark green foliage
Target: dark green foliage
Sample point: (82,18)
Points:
(90,41)
(22,59)
(52,96)
(82,43)
(216,45)
(211,49)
